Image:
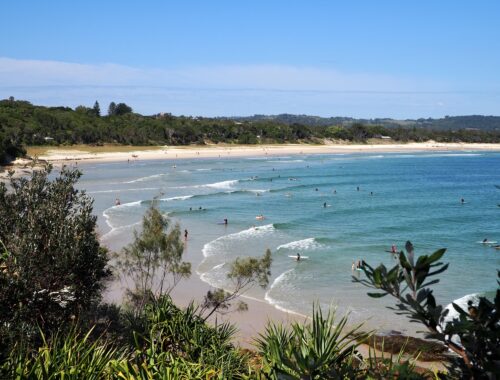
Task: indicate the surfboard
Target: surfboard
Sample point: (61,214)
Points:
(295,257)
(488,242)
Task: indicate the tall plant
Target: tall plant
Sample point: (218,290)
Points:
(153,261)
(244,273)
(322,349)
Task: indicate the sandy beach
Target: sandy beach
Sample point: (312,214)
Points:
(102,154)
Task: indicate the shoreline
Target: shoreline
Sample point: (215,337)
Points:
(226,151)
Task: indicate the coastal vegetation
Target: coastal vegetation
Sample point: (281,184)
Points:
(54,325)
(474,335)
(23,124)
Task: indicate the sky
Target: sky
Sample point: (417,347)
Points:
(368,59)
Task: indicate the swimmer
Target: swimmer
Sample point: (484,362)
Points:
(117,202)
(316,189)
(357,188)
(334,191)
(371,192)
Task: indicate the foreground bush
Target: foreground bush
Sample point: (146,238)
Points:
(323,349)
(51,264)
(173,344)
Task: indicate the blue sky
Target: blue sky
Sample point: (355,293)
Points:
(401,59)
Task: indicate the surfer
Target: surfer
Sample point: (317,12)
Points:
(185,234)
(324,205)
(117,202)
(357,188)
(462,201)
(298,256)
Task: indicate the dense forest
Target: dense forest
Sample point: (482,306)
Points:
(474,122)
(23,124)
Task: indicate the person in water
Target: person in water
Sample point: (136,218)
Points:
(462,201)
(324,204)
(225,221)
(185,234)
(117,202)
(298,256)
(394,249)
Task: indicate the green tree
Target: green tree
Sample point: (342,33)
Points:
(122,109)
(97,109)
(52,266)
(243,274)
(112,109)
(153,261)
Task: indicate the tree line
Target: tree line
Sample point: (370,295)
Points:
(24,124)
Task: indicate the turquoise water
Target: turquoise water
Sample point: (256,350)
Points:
(401,197)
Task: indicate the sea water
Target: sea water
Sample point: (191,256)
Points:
(335,209)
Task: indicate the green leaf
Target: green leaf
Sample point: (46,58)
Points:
(377,295)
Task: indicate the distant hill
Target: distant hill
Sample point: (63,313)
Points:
(479,122)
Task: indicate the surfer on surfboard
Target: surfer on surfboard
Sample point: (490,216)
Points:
(298,256)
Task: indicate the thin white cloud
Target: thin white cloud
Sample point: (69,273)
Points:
(15,72)
(238,90)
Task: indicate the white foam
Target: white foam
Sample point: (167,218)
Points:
(453,314)
(217,245)
(148,178)
(286,161)
(106,212)
(179,198)
(121,190)
(304,244)
(258,191)
(116,230)
(274,302)
(224,185)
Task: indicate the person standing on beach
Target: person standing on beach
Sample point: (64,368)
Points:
(185,234)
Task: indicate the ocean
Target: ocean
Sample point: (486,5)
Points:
(334,209)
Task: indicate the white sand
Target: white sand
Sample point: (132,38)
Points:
(62,155)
